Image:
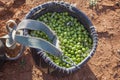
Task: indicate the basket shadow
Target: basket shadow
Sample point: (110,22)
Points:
(85,73)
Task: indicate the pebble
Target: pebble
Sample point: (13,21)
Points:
(118,51)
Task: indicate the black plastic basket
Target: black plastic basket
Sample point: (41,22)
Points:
(44,62)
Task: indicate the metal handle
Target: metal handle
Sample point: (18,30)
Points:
(12,38)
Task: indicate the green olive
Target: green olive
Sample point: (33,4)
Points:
(75,41)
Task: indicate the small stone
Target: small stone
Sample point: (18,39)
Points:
(117,5)
(118,51)
(115,75)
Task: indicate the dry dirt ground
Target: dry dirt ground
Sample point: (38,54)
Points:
(104,65)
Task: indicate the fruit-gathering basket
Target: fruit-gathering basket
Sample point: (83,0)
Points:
(43,61)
